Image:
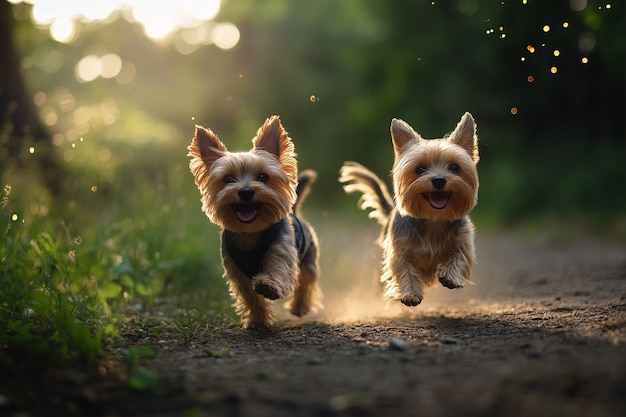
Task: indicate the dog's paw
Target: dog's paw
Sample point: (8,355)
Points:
(266,290)
(410,300)
(299,309)
(257,324)
(451,283)
(451,278)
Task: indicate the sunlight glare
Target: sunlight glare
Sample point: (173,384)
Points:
(46,11)
(159,19)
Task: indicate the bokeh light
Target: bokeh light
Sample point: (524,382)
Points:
(63,30)
(225,35)
(88,68)
(578,5)
(91,67)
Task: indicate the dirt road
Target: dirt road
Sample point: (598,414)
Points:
(543,333)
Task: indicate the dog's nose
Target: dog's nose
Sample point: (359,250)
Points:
(246,193)
(438,182)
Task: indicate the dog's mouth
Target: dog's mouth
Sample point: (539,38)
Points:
(246,213)
(437,199)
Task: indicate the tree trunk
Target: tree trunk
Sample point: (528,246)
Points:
(19,120)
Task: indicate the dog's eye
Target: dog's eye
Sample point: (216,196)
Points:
(454,168)
(263,177)
(229,179)
(420,170)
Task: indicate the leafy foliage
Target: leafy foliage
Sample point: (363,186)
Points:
(51,301)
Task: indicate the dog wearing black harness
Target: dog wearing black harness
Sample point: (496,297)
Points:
(268,251)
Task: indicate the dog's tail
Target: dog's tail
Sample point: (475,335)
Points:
(305,180)
(356,177)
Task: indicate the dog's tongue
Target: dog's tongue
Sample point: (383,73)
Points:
(246,213)
(438,199)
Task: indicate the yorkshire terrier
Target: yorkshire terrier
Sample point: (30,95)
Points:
(268,251)
(427,234)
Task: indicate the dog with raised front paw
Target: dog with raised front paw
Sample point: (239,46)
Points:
(268,251)
(427,235)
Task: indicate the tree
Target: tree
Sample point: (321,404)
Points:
(18,117)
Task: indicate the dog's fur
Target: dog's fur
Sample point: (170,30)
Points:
(427,234)
(247,194)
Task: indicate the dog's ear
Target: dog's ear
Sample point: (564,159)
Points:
(464,135)
(205,149)
(402,134)
(273,138)
(207,145)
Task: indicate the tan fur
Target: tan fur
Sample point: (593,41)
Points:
(424,238)
(269,172)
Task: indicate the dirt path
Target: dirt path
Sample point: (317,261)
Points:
(543,333)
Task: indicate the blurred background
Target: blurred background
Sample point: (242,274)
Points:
(98,102)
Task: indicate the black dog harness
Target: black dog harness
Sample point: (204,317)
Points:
(249,261)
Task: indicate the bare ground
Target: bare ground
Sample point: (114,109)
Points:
(543,333)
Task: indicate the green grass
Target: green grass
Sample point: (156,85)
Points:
(72,268)
(53,301)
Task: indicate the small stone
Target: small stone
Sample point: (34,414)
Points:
(395,343)
(449,341)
